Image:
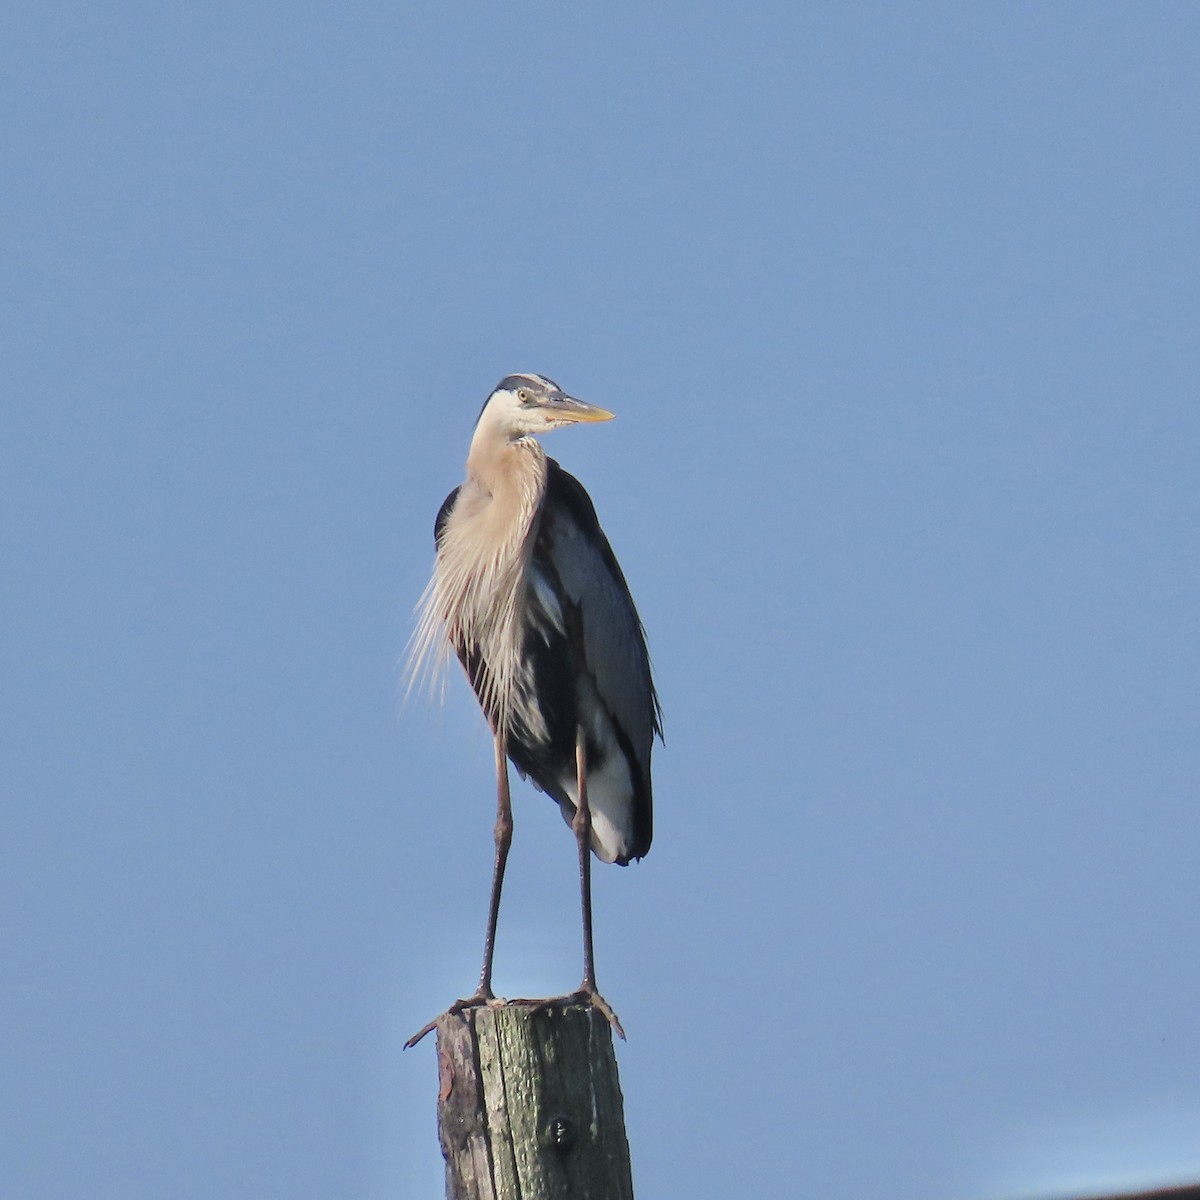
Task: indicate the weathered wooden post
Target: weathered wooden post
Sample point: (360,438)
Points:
(529,1104)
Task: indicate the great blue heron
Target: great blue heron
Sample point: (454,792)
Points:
(527,592)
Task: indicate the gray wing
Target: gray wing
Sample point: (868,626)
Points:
(577,561)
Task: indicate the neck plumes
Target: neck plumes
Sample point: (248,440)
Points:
(476,597)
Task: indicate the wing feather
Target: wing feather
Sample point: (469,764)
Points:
(572,547)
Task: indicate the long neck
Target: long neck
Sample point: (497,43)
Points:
(480,584)
(506,468)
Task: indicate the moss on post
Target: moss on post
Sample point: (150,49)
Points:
(529,1104)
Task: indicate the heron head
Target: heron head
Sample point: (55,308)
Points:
(525,404)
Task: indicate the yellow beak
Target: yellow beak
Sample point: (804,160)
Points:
(570,409)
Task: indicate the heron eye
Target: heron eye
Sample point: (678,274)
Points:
(523,396)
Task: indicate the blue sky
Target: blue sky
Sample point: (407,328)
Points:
(898,308)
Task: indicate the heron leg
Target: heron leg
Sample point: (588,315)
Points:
(503,840)
(484,994)
(582,827)
(581,824)
(503,832)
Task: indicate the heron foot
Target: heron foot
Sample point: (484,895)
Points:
(481,999)
(588,994)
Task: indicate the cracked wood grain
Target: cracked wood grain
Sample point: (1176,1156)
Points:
(529,1104)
